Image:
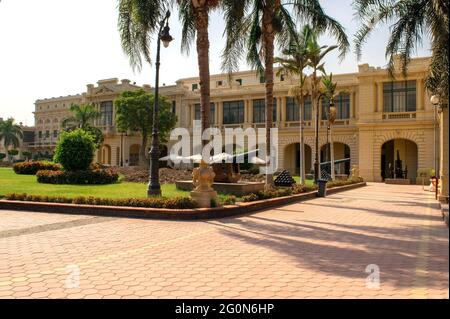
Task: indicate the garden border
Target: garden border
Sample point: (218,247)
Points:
(240,208)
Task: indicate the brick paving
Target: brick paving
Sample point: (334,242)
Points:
(319,248)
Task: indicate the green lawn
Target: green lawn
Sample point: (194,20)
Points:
(307,181)
(11,182)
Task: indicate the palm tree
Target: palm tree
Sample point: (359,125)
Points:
(412,19)
(293,62)
(82,117)
(138,21)
(316,54)
(253,26)
(11,133)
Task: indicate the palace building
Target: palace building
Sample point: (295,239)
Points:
(379,119)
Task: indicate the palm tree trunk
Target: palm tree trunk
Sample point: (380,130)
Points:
(268,38)
(302,139)
(201,21)
(315,105)
(142,155)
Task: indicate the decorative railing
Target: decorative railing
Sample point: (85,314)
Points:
(399,115)
(306,124)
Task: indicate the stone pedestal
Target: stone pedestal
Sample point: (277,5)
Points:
(204,198)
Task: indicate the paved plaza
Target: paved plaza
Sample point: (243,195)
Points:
(380,241)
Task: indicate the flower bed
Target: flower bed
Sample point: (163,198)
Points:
(32,167)
(90,177)
(153,202)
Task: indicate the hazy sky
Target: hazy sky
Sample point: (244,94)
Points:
(55,47)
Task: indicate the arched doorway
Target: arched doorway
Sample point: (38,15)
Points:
(341,151)
(399,158)
(105,154)
(134,154)
(292,158)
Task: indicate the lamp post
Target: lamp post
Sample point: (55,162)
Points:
(154,188)
(331,118)
(316,156)
(331,109)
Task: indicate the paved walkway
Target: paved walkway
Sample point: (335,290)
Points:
(334,247)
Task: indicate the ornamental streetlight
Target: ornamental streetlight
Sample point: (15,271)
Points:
(154,188)
(316,157)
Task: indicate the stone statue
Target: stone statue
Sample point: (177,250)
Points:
(354,173)
(203,179)
(398,166)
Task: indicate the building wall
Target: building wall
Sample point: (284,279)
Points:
(365,131)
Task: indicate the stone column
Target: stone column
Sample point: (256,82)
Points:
(420,95)
(352,104)
(379,97)
(281,111)
(219,112)
(250,111)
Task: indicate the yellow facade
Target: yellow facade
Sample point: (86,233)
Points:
(360,134)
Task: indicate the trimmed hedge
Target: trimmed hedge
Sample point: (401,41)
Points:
(337,183)
(153,202)
(296,189)
(278,192)
(95,176)
(31,168)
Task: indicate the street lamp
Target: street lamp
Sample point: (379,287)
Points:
(154,188)
(316,157)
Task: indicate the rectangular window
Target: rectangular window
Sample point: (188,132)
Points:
(399,96)
(292,109)
(219,83)
(40,134)
(55,133)
(174,107)
(239,81)
(47,134)
(342,103)
(307,115)
(212,112)
(262,79)
(106,109)
(233,112)
(259,110)
(194,87)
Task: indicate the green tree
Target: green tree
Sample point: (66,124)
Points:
(139,21)
(316,55)
(411,21)
(10,133)
(134,111)
(83,117)
(293,61)
(27,155)
(75,150)
(253,26)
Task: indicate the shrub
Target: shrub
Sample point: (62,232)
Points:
(337,183)
(2,156)
(26,154)
(250,198)
(75,150)
(31,168)
(96,176)
(13,152)
(153,202)
(228,200)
